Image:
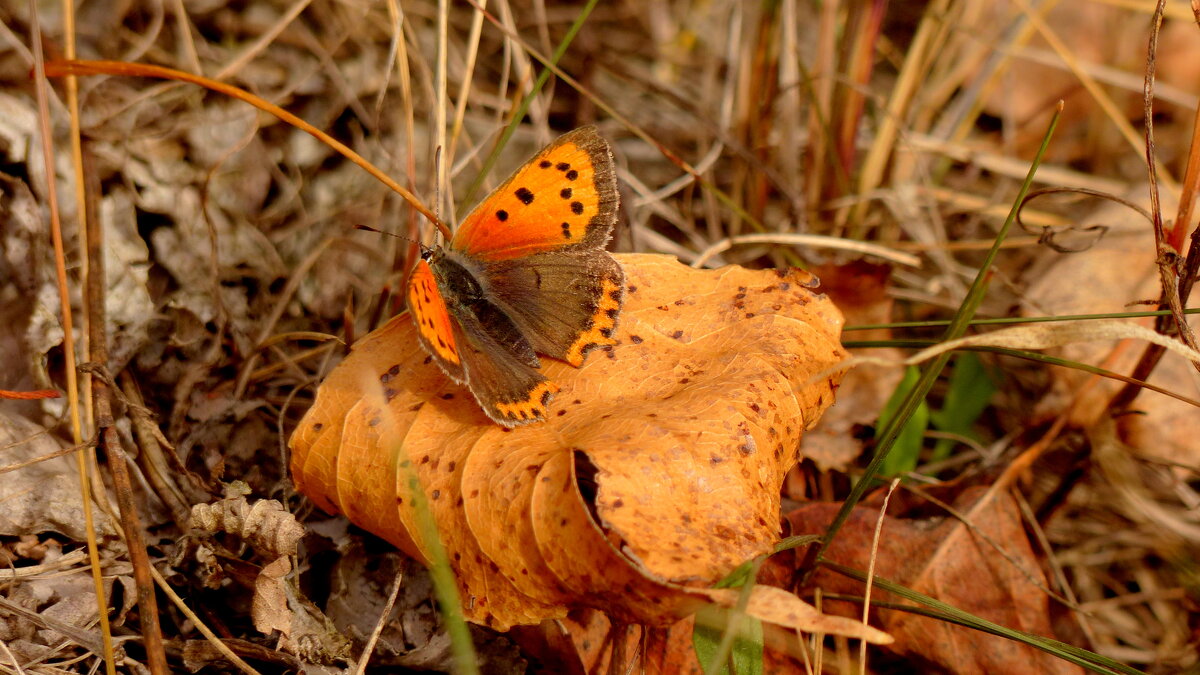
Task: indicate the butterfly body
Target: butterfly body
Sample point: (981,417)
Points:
(525,274)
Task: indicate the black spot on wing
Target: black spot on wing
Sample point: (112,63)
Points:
(524,195)
(577,208)
(545,164)
(565,193)
(502,215)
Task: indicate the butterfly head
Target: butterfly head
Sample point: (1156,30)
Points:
(428,253)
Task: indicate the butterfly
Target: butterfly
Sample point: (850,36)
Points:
(526,273)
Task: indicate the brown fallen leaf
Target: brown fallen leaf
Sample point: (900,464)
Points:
(945,559)
(679,436)
(860,289)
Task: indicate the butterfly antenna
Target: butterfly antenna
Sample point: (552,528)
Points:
(368,228)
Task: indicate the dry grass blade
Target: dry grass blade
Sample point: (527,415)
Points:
(68,343)
(1047,336)
(65,68)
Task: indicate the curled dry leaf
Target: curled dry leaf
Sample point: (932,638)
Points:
(266,524)
(657,472)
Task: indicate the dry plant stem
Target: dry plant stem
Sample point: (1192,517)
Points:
(150,456)
(1191,182)
(1060,577)
(911,75)
(29,395)
(867,21)
(866,613)
(80,636)
(64,68)
(281,303)
(530,98)
(1166,257)
(814,240)
(68,8)
(64,298)
(636,130)
(441,160)
(7,468)
(200,625)
(383,619)
(1175,290)
(1098,94)
(821,82)
(156,657)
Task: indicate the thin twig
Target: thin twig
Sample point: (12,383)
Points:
(64,298)
(77,67)
(156,657)
(813,240)
(383,619)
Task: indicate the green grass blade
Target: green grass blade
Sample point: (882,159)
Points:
(440,573)
(746,652)
(723,637)
(971,389)
(929,374)
(1037,357)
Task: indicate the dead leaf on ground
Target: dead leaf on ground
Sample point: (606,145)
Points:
(1119,270)
(41,496)
(681,435)
(859,289)
(944,559)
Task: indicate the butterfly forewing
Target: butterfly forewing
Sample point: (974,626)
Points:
(434,323)
(525,274)
(565,197)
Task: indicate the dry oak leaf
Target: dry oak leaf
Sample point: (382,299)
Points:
(659,466)
(989,570)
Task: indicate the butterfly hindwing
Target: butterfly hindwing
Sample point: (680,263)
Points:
(565,302)
(564,198)
(506,386)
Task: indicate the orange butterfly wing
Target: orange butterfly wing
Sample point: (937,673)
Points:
(434,323)
(526,272)
(565,197)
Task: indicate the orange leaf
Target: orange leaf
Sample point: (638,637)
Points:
(680,436)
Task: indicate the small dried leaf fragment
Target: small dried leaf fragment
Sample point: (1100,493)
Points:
(269,609)
(266,524)
(679,435)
